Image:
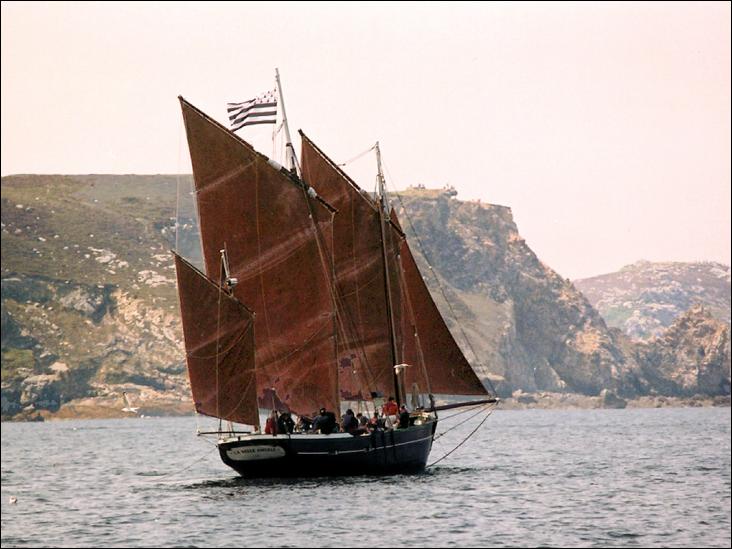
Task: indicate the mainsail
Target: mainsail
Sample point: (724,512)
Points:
(277,236)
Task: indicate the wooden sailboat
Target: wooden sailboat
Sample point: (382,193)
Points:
(310,299)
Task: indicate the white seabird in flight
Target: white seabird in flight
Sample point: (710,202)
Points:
(129,408)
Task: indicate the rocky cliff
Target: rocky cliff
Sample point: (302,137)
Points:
(89,306)
(533,330)
(644,299)
(691,357)
(529,327)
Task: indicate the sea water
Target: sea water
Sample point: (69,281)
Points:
(599,478)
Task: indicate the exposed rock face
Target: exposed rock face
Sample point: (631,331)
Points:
(89,307)
(643,299)
(691,357)
(530,327)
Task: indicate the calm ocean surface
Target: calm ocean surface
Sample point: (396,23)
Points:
(645,478)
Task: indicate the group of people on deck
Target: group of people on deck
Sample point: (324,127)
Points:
(324,422)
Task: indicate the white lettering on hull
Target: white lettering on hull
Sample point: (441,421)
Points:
(252,453)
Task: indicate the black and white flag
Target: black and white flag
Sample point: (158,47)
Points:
(260,110)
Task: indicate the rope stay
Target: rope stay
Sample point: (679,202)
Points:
(194,462)
(359,155)
(443,433)
(490,411)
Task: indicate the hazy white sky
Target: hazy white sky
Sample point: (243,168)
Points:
(606,127)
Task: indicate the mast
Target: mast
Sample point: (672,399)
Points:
(290,150)
(384,219)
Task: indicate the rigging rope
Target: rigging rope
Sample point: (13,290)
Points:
(465,439)
(177,197)
(445,418)
(439,284)
(201,458)
(443,433)
(358,156)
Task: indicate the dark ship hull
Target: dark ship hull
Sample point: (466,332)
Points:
(303,455)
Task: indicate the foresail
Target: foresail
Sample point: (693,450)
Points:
(277,238)
(219,339)
(364,348)
(448,370)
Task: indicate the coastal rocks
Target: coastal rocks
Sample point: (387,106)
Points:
(692,356)
(523,398)
(611,400)
(87,337)
(40,391)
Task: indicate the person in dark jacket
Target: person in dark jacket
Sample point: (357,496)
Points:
(304,423)
(285,424)
(403,417)
(325,422)
(349,422)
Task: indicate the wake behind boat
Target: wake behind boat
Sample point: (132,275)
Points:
(310,299)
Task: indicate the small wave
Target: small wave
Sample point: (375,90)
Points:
(623,535)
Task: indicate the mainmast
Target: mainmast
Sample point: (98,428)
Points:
(384,220)
(289,149)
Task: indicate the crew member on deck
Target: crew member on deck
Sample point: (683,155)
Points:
(403,417)
(285,424)
(390,408)
(325,422)
(304,423)
(349,422)
(270,428)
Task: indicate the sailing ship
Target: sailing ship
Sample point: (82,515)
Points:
(310,298)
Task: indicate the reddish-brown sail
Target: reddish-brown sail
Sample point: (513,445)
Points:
(448,370)
(364,347)
(219,338)
(277,238)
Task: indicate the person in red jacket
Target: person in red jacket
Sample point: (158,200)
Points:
(390,408)
(270,428)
